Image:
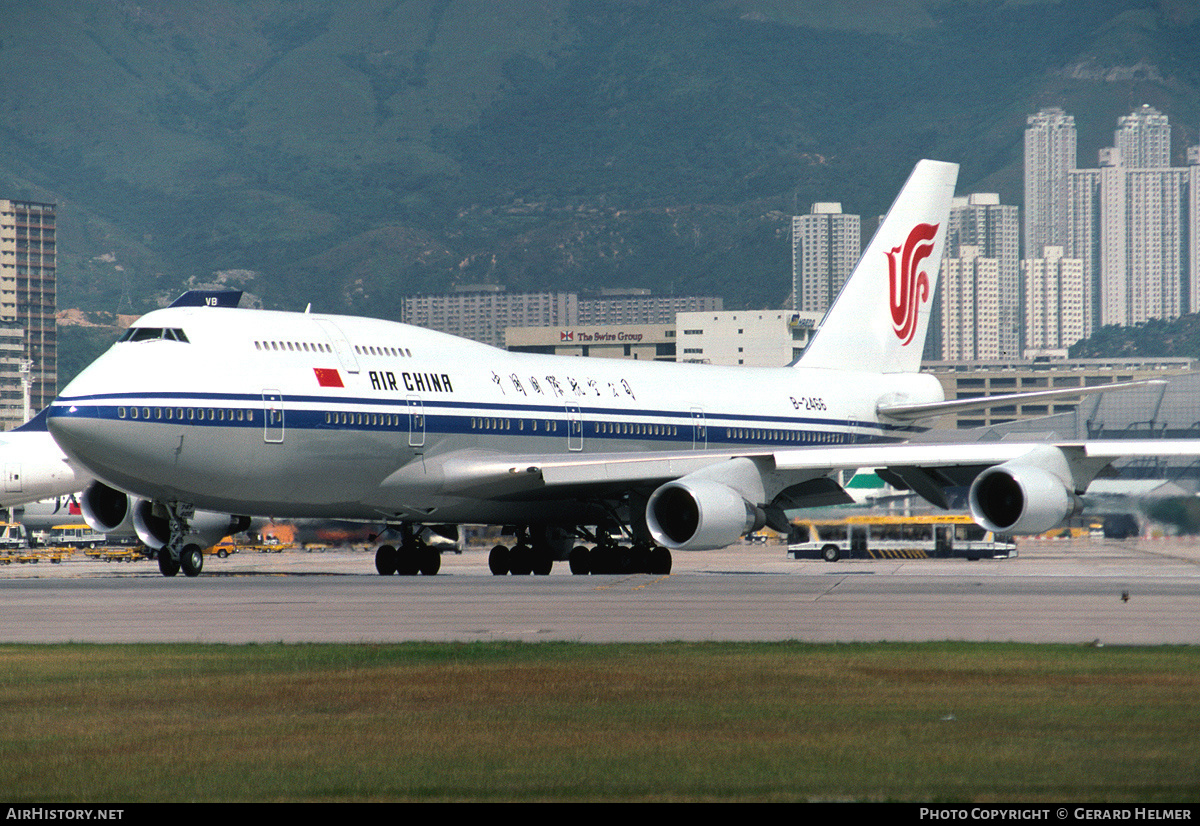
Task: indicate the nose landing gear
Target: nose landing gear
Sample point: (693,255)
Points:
(178,554)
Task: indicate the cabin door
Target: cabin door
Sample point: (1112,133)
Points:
(416,422)
(699,429)
(272,416)
(574,427)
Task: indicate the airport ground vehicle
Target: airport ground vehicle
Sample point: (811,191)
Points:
(12,536)
(76,536)
(895,537)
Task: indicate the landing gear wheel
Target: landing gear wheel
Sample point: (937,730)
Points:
(578,560)
(191,560)
(498,560)
(430,561)
(543,563)
(385,560)
(407,562)
(166,565)
(520,560)
(639,560)
(602,559)
(831,553)
(660,560)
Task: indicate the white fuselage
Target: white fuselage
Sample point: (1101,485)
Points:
(287,414)
(35,468)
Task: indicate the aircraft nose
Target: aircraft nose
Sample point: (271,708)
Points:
(78,435)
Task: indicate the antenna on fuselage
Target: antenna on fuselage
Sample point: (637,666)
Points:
(309,307)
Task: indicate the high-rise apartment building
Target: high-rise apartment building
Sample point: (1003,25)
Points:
(993,230)
(1132,223)
(826,244)
(970,288)
(1050,151)
(28,263)
(1143,139)
(1193,210)
(1083,238)
(1143,245)
(1053,300)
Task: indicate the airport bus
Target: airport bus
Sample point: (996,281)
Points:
(895,537)
(75,536)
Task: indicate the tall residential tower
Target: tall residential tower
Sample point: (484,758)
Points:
(1050,147)
(27,299)
(826,244)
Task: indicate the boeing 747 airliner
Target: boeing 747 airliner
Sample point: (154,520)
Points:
(305,415)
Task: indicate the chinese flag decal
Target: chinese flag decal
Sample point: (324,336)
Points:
(327,377)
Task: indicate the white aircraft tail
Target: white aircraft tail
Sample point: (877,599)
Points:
(879,319)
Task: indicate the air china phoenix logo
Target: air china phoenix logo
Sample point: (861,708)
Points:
(909,288)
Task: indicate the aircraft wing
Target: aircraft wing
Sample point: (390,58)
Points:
(701,498)
(487,474)
(483,473)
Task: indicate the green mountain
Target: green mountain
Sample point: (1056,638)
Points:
(347,154)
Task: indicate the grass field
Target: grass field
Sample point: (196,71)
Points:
(525,722)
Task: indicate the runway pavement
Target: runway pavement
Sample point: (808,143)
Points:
(1132,592)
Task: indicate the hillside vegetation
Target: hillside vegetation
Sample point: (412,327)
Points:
(349,154)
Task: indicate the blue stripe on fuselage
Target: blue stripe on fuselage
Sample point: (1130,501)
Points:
(401,406)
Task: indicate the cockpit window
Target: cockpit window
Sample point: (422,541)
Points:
(154,334)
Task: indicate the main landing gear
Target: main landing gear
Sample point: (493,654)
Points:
(530,555)
(178,554)
(611,558)
(533,555)
(411,558)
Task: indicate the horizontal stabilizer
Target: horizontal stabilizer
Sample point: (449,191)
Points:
(925,410)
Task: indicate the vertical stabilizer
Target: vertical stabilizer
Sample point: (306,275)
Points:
(879,319)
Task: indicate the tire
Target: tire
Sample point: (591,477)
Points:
(498,560)
(430,561)
(520,560)
(385,560)
(166,565)
(660,560)
(191,560)
(579,560)
(408,561)
(831,553)
(603,560)
(221,554)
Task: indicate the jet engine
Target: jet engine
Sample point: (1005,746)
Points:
(708,509)
(105,509)
(1025,496)
(109,510)
(207,528)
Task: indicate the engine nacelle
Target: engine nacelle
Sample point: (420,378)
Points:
(207,528)
(105,509)
(693,514)
(1016,498)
